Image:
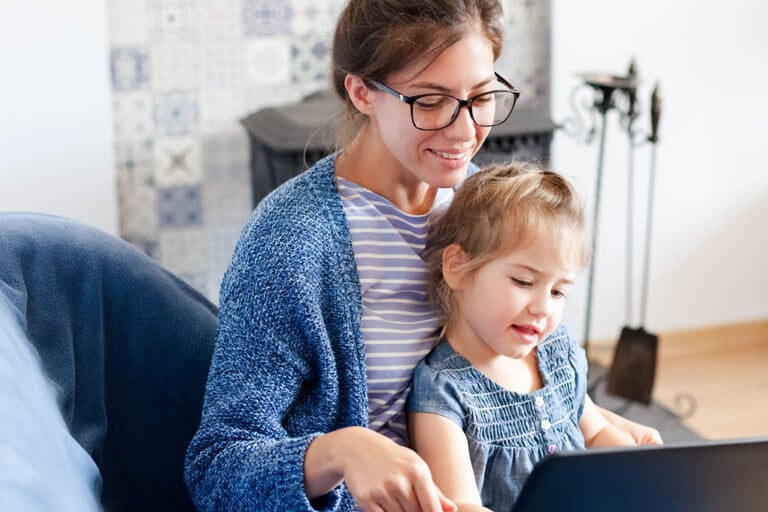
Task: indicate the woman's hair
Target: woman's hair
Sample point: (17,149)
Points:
(375,38)
(501,208)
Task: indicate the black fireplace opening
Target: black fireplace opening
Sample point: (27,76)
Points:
(286,140)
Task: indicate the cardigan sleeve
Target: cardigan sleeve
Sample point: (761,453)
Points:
(277,370)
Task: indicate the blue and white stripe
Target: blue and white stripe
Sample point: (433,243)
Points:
(399,325)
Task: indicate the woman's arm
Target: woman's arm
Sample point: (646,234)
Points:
(287,378)
(379,473)
(273,385)
(443,445)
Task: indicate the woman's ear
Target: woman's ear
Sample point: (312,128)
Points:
(359,93)
(454,258)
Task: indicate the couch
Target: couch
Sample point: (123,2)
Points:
(126,344)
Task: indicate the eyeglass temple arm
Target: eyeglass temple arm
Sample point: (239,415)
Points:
(506,82)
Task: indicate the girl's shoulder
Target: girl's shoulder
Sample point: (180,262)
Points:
(441,368)
(560,347)
(443,357)
(436,387)
(560,339)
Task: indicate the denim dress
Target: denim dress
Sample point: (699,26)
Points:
(508,433)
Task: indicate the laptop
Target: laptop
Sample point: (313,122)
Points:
(709,476)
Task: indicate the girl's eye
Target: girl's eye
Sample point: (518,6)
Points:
(558,294)
(520,282)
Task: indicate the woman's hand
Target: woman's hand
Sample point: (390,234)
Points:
(380,474)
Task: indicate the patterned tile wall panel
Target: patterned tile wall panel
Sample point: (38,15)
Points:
(184,72)
(526,56)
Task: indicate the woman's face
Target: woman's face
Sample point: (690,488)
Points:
(438,158)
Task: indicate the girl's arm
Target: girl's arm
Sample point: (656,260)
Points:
(642,434)
(597,431)
(443,445)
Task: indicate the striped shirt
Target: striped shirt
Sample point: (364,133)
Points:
(399,325)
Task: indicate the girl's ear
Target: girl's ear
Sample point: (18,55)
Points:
(359,93)
(454,258)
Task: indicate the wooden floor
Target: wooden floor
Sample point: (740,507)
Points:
(723,369)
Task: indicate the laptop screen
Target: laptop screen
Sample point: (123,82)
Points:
(707,476)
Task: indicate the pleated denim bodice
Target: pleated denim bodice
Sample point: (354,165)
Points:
(508,433)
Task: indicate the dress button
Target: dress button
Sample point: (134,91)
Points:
(552,448)
(539,402)
(546,425)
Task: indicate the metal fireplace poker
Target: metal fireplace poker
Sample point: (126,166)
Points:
(605,86)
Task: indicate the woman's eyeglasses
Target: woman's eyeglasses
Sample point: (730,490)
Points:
(434,111)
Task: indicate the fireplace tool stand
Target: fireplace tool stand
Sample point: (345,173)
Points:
(632,371)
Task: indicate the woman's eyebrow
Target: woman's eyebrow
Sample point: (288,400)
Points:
(442,88)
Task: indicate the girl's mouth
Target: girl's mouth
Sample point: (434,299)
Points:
(528,333)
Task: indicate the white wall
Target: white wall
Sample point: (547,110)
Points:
(55,110)
(709,262)
(710,244)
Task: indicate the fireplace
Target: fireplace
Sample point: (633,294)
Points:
(287,140)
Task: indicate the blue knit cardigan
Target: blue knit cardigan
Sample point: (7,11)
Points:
(289,362)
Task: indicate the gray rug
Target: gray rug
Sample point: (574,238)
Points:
(667,422)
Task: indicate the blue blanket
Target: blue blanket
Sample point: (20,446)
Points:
(126,343)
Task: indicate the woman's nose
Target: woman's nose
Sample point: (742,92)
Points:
(463,127)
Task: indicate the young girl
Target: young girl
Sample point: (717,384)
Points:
(506,385)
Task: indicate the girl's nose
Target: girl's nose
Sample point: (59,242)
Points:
(540,305)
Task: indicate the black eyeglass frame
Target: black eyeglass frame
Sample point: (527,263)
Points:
(410,100)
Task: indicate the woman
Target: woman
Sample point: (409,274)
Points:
(323,310)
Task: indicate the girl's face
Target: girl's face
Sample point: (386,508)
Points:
(510,304)
(437,158)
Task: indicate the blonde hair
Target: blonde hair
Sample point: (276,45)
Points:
(498,209)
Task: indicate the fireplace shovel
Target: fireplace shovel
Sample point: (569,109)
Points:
(633,370)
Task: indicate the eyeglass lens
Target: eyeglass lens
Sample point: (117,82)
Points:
(435,111)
